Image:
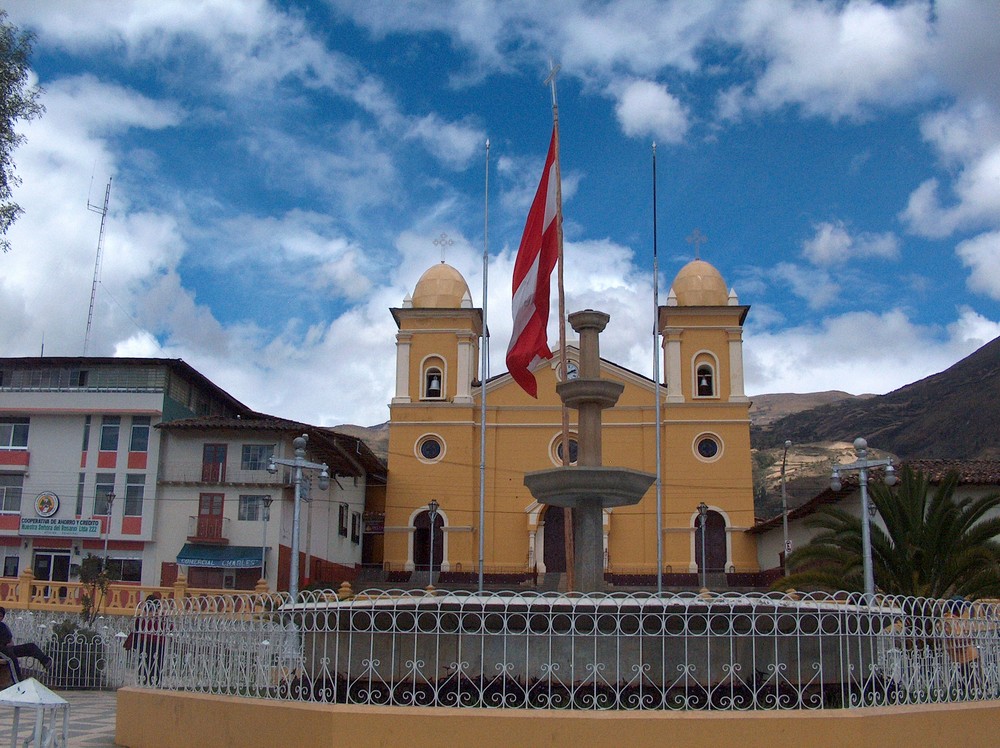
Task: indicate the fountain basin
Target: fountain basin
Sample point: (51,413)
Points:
(588,486)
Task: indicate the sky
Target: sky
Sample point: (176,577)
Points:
(283,173)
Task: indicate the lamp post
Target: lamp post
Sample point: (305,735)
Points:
(107,533)
(703,520)
(784,507)
(432,513)
(265,515)
(862,465)
(300,463)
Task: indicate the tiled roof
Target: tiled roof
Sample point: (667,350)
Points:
(342,452)
(970,473)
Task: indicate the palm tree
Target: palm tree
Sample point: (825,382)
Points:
(932,544)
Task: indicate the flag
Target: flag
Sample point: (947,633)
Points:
(536,257)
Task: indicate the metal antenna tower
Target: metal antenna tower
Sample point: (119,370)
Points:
(97,262)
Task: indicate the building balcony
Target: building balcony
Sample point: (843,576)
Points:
(208,529)
(200,474)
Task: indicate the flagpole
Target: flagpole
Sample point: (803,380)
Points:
(656,389)
(567,512)
(483,374)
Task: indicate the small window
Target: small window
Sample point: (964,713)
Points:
(256,456)
(139,441)
(355,527)
(433,387)
(79,494)
(10,566)
(129,569)
(706,381)
(135,490)
(251,508)
(344,511)
(110,425)
(86,434)
(556,449)
(105,485)
(13,433)
(11,485)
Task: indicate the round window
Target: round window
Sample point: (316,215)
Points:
(429,448)
(574,449)
(708,447)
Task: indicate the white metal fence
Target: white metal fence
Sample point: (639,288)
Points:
(596,651)
(84,657)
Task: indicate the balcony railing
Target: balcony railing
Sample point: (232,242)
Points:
(198,473)
(205,528)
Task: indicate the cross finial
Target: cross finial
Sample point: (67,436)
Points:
(443,241)
(697,239)
(551,79)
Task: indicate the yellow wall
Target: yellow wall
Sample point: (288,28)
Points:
(164,719)
(520,434)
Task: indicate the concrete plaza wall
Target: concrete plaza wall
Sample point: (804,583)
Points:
(165,719)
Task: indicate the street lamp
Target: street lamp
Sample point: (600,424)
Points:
(432,512)
(265,515)
(300,463)
(862,465)
(703,519)
(784,506)
(107,534)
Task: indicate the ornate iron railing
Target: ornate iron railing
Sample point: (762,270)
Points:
(596,651)
(83,657)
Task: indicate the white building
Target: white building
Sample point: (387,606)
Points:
(975,478)
(216,490)
(86,463)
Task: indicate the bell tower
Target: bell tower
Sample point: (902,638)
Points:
(433,428)
(706,418)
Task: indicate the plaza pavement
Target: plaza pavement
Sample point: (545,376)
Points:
(91,719)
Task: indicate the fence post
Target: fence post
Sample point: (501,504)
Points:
(25,585)
(180,588)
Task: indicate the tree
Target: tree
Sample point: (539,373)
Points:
(18,101)
(933,543)
(96,578)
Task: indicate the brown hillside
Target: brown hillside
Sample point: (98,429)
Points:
(954,414)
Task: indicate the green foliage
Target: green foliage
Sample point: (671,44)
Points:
(933,544)
(95,580)
(18,101)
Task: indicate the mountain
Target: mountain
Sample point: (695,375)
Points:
(766,409)
(954,414)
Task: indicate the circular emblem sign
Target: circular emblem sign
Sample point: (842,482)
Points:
(46,504)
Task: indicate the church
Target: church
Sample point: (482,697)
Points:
(436,477)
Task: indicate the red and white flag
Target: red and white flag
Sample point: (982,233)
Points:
(536,257)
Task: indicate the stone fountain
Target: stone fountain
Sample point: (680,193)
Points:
(588,487)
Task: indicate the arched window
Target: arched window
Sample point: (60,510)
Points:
(705,381)
(433,379)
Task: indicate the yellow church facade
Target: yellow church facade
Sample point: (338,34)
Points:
(435,433)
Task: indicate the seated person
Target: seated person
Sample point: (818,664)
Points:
(14,651)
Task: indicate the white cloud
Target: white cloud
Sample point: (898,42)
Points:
(812,285)
(648,108)
(860,352)
(831,244)
(976,200)
(982,256)
(836,60)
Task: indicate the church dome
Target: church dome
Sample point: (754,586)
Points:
(699,284)
(441,287)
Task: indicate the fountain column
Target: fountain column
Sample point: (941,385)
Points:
(588,488)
